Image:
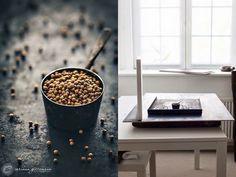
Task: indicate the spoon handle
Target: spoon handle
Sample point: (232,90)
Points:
(100,43)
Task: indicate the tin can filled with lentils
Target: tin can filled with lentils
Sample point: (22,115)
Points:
(72,98)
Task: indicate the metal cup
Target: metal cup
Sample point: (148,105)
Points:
(72,117)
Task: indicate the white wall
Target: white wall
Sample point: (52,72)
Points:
(216,83)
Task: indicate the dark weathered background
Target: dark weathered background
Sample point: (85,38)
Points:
(27,106)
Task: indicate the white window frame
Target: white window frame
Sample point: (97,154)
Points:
(132,30)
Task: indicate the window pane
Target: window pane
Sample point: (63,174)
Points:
(170,50)
(220,50)
(221,21)
(201,50)
(201,2)
(201,21)
(222,2)
(150,47)
(150,23)
(170,21)
(170,3)
(149,3)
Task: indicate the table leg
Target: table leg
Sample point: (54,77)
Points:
(197,159)
(221,159)
(153,164)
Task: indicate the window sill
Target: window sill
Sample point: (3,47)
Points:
(217,73)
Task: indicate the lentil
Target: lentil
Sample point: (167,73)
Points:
(72,87)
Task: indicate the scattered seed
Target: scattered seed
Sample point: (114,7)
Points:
(11,117)
(56,152)
(64,31)
(49,143)
(23,55)
(55,161)
(3,138)
(31,130)
(104,132)
(111,137)
(13,95)
(35,88)
(7,56)
(17,52)
(102,121)
(89,159)
(71,143)
(83,44)
(103,67)
(65,61)
(30,67)
(17,60)
(101,25)
(81,131)
(83,158)
(19,161)
(36,126)
(113,99)
(4,71)
(78,34)
(86,147)
(30,124)
(40,50)
(14,70)
(12,90)
(90,154)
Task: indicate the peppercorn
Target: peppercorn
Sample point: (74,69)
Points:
(23,55)
(104,132)
(113,99)
(65,62)
(26,47)
(30,124)
(102,120)
(78,34)
(13,95)
(43,75)
(7,56)
(111,137)
(11,117)
(30,67)
(49,143)
(56,152)
(81,131)
(45,35)
(17,60)
(90,154)
(36,126)
(4,71)
(3,138)
(19,161)
(14,70)
(55,161)
(110,152)
(35,88)
(64,31)
(71,143)
(12,90)
(83,158)
(86,147)
(103,67)
(31,130)
(40,50)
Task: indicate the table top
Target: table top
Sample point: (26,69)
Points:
(212,108)
(128,133)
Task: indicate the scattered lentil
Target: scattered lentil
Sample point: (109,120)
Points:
(49,143)
(11,117)
(86,147)
(81,131)
(83,158)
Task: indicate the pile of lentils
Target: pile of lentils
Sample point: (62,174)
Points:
(72,87)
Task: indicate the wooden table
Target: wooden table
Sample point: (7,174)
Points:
(152,139)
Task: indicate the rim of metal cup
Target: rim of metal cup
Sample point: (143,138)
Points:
(71,68)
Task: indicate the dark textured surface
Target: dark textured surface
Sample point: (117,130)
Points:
(28,106)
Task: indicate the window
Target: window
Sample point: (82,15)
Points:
(182,33)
